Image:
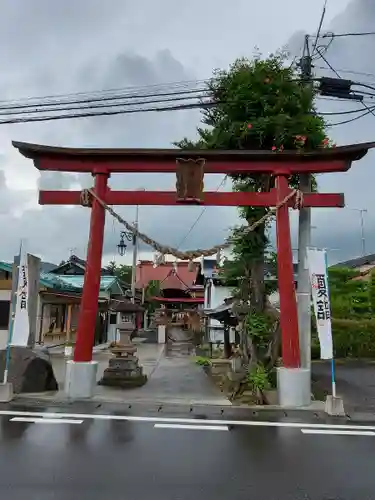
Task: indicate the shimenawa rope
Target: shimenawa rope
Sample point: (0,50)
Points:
(88,194)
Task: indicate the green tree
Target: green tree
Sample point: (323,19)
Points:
(350,298)
(152,290)
(371,291)
(259,104)
(122,271)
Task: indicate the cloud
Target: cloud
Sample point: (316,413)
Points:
(340,230)
(51,48)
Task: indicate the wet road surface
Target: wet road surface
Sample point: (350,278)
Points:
(93,456)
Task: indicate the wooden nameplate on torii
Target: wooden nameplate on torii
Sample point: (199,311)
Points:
(190,181)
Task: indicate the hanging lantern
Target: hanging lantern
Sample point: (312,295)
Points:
(122,246)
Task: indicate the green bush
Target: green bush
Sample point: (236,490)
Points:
(349,298)
(352,338)
(202,361)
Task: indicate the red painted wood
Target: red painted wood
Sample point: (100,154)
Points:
(288,302)
(217,166)
(187,300)
(210,198)
(90,295)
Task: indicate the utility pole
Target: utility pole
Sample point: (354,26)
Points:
(362,211)
(304,241)
(135,255)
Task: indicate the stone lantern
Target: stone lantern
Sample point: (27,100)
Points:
(124,370)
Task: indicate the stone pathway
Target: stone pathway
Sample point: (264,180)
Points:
(179,380)
(172,379)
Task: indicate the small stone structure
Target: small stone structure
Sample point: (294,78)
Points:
(29,370)
(123,370)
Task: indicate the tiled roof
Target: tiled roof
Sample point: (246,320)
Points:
(357,262)
(64,282)
(76,281)
(146,272)
(75,261)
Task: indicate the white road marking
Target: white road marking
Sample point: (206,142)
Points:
(193,427)
(192,421)
(333,432)
(44,420)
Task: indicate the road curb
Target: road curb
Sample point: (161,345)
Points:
(194,409)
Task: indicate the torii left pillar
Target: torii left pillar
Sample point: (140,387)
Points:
(81,372)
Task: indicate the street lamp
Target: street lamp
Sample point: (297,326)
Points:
(362,212)
(121,247)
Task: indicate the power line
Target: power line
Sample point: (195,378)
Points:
(319,28)
(199,216)
(201,105)
(365,113)
(349,112)
(11,105)
(372,111)
(195,105)
(130,91)
(124,110)
(109,105)
(338,35)
(97,99)
(352,72)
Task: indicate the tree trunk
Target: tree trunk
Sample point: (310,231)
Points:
(227,346)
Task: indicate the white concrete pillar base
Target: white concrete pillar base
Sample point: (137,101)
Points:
(80,379)
(162,334)
(294,387)
(335,406)
(6,392)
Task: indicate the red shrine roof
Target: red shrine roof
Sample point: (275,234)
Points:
(184,300)
(163,160)
(350,152)
(181,280)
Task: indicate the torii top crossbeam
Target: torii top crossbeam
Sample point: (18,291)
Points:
(217,161)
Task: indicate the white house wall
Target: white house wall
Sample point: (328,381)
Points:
(218,296)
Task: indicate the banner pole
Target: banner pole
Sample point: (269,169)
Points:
(13,309)
(333,378)
(333,371)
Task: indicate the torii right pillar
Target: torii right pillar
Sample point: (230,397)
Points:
(293,381)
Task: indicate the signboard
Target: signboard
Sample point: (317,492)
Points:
(21,326)
(317,264)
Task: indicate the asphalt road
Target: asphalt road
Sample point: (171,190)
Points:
(77,456)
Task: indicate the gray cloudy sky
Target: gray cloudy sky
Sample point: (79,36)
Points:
(51,47)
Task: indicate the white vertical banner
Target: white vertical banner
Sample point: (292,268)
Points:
(317,264)
(21,326)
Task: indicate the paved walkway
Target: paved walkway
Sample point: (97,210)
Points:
(355,383)
(171,380)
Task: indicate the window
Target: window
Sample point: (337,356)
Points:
(57,317)
(4,314)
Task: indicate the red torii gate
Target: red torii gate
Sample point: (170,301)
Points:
(102,162)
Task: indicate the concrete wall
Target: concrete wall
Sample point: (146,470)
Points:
(218,295)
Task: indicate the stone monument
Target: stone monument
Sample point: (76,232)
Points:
(123,370)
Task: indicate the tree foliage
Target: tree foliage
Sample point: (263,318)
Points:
(121,271)
(259,104)
(351,298)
